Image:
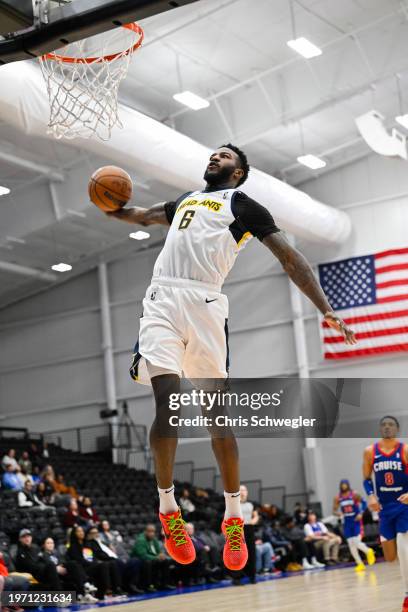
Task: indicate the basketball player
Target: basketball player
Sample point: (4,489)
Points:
(388,459)
(184,322)
(348,504)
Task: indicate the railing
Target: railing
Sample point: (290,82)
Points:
(18,432)
(89,439)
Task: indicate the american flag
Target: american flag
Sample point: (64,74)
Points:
(370,293)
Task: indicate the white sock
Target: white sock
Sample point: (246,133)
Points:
(167,500)
(402,547)
(232,505)
(353,544)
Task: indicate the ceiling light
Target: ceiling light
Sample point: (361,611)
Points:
(312,161)
(191,100)
(61,267)
(4,191)
(304,47)
(139,235)
(403,120)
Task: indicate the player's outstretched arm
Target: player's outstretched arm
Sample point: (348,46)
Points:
(372,499)
(142,216)
(301,273)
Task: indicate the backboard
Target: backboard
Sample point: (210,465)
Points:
(30,28)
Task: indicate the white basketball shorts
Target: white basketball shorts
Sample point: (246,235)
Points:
(183,329)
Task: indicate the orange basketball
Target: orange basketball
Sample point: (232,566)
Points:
(110,188)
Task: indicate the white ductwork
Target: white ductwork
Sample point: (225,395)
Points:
(150,147)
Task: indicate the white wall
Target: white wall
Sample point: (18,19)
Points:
(51,364)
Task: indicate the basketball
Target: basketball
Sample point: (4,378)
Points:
(110,188)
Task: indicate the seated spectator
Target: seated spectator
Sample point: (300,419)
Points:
(12,580)
(82,553)
(272,512)
(72,517)
(61,488)
(294,533)
(157,565)
(28,499)
(264,558)
(28,560)
(36,478)
(9,459)
(10,479)
(44,494)
(25,463)
(200,570)
(317,533)
(71,573)
(131,569)
(104,554)
(45,451)
(215,542)
(22,478)
(35,455)
(87,512)
(300,514)
(48,473)
(185,503)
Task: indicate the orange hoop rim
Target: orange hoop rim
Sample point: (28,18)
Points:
(134,27)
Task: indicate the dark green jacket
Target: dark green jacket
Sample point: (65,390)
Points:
(145,549)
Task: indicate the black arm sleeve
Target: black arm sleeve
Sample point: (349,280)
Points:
(254,217)
(171,207)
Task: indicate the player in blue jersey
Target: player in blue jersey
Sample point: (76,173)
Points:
(388,461)
(348,505)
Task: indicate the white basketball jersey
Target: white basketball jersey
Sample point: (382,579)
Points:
(204,239)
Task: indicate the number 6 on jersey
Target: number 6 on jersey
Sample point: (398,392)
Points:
(186,219)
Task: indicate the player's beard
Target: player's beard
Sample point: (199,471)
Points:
(219,177)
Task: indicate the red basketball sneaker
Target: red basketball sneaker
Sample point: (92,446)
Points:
(177,541)
(235,550)
(405,605)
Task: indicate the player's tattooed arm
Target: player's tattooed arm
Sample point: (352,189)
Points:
(142,216)
(301,273)
(372,499)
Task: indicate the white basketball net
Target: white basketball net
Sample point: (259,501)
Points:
(83,82)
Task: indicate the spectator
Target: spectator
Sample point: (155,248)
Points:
(22,478)
(251,518)
(25,463)
(300,514)
(82,553)
(215,542)
(14,582)
(28,560)
(61,488)
(45,451)
(72,516)
(317,533)
(131,569)
(10,479)
(104,554)
(157,565)
(87,512)
(272,513)
(44,494)
(186,504)
(28,499)
(294,534)
(264,558)
(199,571)
(35,455)
(9,459)
(71,573)
(36,475)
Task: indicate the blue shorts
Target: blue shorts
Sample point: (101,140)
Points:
(351,528)
(393,520)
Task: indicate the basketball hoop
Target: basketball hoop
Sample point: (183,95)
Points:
(83,82)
